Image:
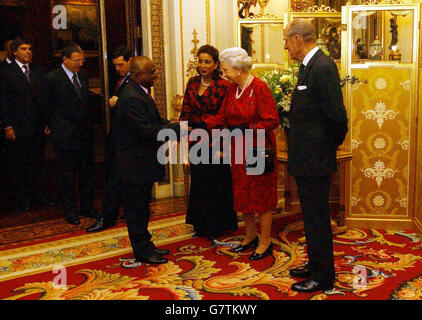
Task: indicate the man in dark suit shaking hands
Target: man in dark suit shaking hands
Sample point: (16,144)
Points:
(318,125)
(71,121)
(138,123)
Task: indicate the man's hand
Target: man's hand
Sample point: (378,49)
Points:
(47,130)
(112,101)
(10,134)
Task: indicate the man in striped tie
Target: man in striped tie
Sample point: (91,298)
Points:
(71,121)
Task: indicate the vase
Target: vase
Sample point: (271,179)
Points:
(375,50)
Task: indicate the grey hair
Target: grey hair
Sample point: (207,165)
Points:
(303,28)
(238,58)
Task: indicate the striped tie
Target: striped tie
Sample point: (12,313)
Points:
(26,72)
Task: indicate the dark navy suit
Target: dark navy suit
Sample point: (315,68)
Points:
(318,125)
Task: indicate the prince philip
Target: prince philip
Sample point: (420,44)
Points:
(318,125)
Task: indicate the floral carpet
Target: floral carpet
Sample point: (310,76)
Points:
(370,264)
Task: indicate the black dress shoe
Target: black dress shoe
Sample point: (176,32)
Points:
(99,225)
(90,214)
(153,259)
(162,252)
(241,248)
(258,256)
(74,221)
(310,285)
(301,272)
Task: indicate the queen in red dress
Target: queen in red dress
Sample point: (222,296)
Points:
(249,104)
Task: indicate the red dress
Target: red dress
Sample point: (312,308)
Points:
(255,107)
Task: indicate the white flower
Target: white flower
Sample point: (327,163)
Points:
(285,79)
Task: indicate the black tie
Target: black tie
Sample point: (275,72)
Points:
(26,72)
(300,75)
(77,85)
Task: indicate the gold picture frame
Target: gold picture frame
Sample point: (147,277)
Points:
(267,47)
(82,26)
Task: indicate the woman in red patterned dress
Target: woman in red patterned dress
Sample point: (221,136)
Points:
(210,207)
(249,104)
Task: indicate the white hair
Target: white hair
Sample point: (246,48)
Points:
(238,58)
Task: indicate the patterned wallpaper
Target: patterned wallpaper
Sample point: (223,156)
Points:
(381,139)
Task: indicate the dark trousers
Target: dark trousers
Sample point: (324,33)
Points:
(75,164)
(314,200)
(113,198)
(136,200)
(25,164)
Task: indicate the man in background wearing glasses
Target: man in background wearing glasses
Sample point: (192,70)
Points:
(71,121)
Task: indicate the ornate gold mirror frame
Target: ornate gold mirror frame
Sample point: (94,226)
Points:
(332,19)
(246,42)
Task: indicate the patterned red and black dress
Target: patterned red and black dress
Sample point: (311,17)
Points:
(210,208)
(256,108)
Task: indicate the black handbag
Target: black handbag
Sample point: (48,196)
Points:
(267,153)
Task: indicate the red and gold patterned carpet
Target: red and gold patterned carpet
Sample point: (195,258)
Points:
(370,265)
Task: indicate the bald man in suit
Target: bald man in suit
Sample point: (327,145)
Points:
(138,123)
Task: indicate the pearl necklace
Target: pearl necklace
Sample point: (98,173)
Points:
(205,84)
(247,83)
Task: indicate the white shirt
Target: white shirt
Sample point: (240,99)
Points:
(8,61)
(145,89)
(309,56)
(70,74)
(20,64)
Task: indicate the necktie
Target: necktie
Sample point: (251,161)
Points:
(300,75)
(77,85)
(116,89)
(26,72)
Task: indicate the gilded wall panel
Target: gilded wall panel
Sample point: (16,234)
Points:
(158,55)
(418,187)
(380,122)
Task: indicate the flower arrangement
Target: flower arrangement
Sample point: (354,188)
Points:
(282,84)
